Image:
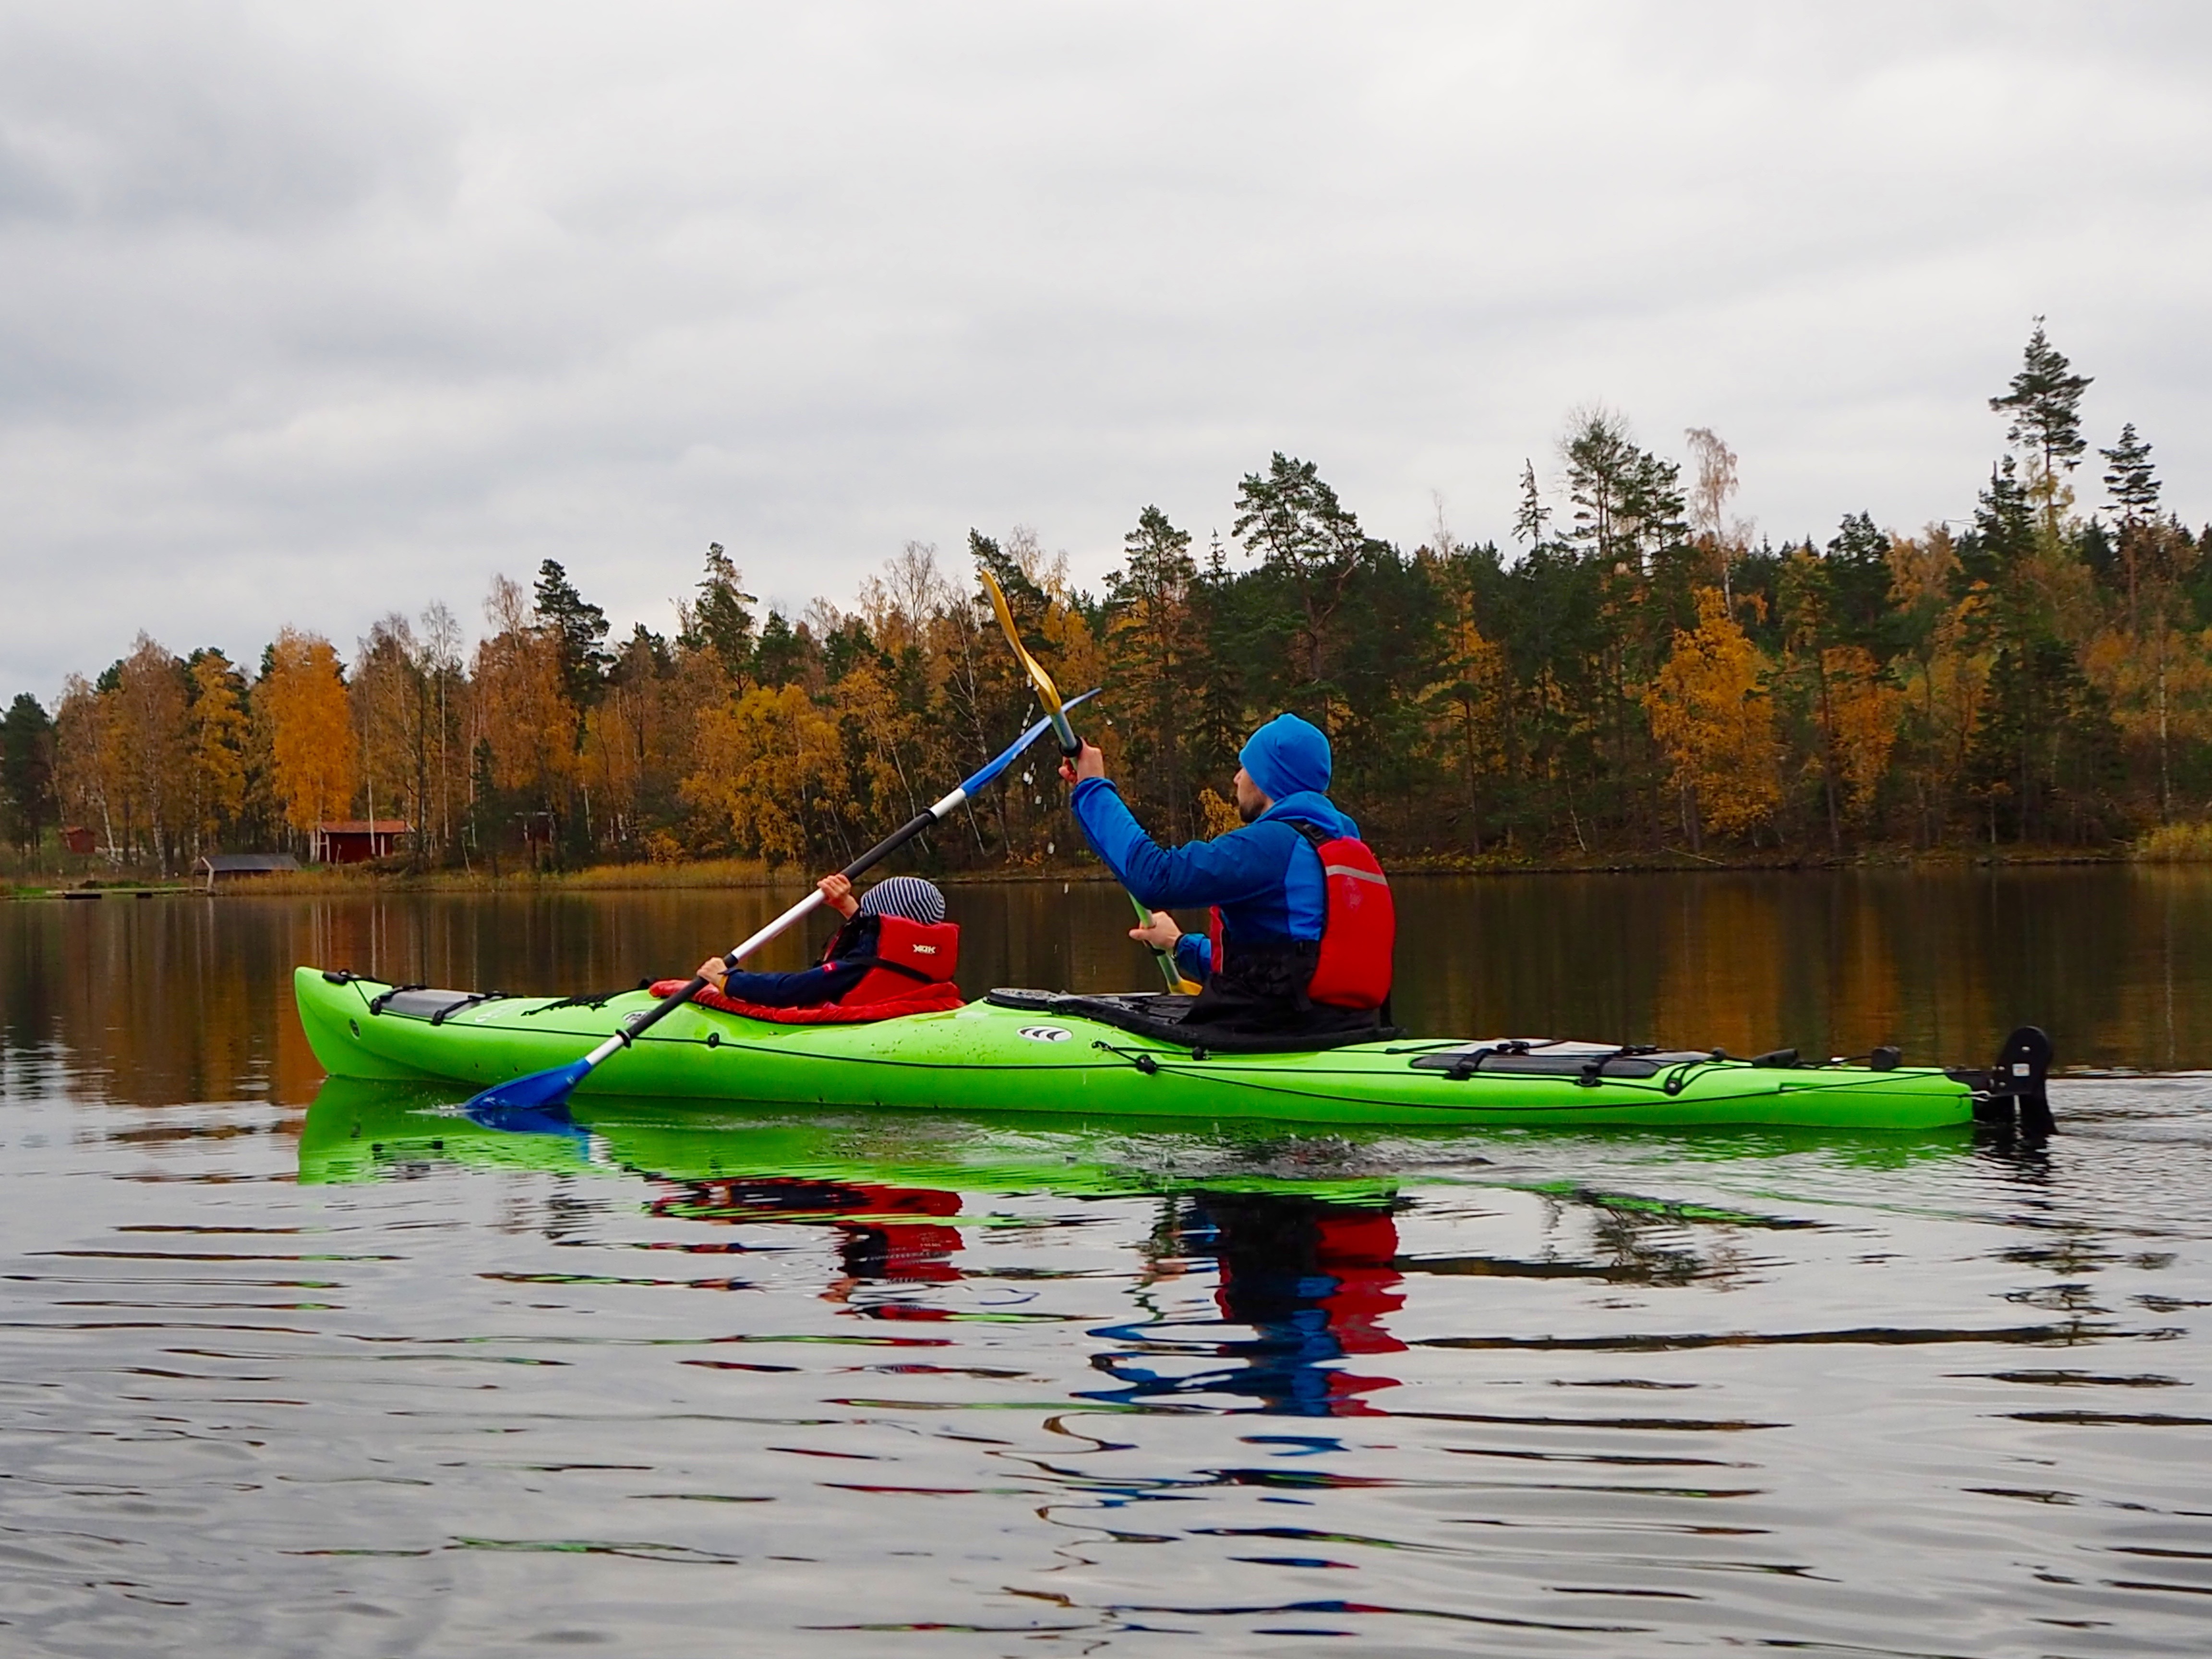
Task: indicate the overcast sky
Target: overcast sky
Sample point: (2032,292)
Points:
(312,313)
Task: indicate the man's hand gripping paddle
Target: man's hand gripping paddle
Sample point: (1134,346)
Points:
(544,1089)
(1071,746)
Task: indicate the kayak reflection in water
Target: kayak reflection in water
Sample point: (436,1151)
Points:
(1313,1279)
(1302,924)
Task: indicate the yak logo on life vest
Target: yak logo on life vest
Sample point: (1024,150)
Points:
(1047,1033)
(923,950)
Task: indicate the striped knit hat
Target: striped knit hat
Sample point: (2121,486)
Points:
(905,895)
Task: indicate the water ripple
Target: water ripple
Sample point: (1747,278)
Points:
(1581,1394)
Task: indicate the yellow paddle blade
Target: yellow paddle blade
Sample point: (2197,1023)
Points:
(1046,691)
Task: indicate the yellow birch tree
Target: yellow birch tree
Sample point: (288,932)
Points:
(769,769)
(217,745)
(1710,714)
(313,751)
(521,707)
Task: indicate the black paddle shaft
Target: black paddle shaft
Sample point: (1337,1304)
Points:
(639,1024)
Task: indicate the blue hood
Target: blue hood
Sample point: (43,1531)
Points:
(1287,756)
(1310,807)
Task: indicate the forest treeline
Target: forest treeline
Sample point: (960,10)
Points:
(1631,673)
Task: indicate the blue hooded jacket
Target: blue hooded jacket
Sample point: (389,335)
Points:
(1266,877)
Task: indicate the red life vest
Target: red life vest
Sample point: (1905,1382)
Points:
(1359,929)
(909,973)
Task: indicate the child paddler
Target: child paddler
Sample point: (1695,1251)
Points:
(1303,924)
(893,954)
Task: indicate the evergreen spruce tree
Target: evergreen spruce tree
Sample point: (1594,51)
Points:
(2134,491)
(487,805)
(26,770)
(1217,723)
(1857,560)
(2003,540)
(2132,482)
(1529,518)
(1151,654)
(782,654)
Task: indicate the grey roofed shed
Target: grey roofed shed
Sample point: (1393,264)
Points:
(225,865)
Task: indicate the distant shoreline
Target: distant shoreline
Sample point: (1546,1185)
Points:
(733,874)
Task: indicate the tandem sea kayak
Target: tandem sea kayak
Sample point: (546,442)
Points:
(1041,1051)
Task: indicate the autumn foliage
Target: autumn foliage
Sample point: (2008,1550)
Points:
(1711,716)
(1639,671)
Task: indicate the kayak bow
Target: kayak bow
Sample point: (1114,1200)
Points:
(550,1087)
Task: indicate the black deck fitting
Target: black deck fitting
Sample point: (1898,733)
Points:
(2014,1090)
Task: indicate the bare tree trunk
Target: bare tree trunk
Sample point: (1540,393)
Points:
(2164,776)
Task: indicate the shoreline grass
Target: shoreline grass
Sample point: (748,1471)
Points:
(2182,843)
(2174,844)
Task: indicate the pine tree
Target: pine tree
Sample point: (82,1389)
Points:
(2044,401)
(717,620)
(1599,458)
(579,627)
(1311,546)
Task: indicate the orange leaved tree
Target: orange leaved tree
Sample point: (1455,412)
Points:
(217,738)
(770,766)
(1710,714)
(314,752)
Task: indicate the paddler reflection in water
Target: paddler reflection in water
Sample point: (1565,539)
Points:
(1302,924)
(1312,1278)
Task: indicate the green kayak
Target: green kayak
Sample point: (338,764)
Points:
(1037,1052)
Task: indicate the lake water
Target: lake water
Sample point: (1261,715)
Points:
(296,1367)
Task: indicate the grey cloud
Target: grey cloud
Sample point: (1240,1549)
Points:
(307,314)
(116,115)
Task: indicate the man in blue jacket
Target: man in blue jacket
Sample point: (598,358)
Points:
(1266,878)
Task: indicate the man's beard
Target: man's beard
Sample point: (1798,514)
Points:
(1251,814)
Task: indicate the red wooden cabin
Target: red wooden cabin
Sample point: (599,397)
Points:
(356,840)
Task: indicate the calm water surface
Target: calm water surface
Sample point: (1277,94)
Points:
(296,1367)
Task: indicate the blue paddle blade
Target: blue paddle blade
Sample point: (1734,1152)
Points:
(533,1090)
(552,1120)
(975,785)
